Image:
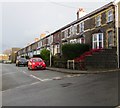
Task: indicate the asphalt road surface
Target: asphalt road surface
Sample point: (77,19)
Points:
(21,87)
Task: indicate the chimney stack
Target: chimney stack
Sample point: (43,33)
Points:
(80,13)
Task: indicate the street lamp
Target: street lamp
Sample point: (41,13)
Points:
(50,51)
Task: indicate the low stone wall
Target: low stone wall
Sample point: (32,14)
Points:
(60,64)
(63,64)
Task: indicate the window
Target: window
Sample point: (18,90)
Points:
(110,16)
(73,41)
(98,20)
(97,40)
(58,48)
(81,26)
(29,48)
(81,40)
(66,33)
(50,40)
(78,28)
(63,34)
(110,38)
(75,29)
(72,29)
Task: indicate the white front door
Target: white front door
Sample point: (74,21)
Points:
(97,41)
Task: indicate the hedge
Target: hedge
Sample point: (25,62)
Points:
(45,54)
(71,51)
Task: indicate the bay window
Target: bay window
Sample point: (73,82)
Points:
(97,40)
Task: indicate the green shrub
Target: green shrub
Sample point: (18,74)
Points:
(45,54)
(71,51)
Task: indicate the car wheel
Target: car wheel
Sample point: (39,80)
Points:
(28,68)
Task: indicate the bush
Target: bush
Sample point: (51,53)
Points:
(45,54)
(71,51)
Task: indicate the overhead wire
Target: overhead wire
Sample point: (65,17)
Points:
(56,3)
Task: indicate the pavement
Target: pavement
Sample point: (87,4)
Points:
(94,71)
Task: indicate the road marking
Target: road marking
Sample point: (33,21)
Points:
(32,76)
(57,78)
(25,73)
(70,76)
(36,77)
(46,80)
(34,83)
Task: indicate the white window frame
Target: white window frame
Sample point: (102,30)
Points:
(81,26)
(73,41)
(66,33)
(75,29)
(110,16)
(58,48)
(63,32)
(98,20)
(72,29)
(69,32)
(48,40)
(97,40)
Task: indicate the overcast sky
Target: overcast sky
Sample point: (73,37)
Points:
(24,20)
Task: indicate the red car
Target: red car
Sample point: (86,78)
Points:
(36,63)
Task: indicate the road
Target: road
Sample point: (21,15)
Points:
(21,87)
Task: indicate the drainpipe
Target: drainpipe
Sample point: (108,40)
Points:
(117,33)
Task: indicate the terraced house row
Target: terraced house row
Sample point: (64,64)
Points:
(99,29)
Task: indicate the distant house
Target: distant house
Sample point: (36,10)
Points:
(4,57)
(12,53)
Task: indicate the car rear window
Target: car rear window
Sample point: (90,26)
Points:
(22,59)
(37,60)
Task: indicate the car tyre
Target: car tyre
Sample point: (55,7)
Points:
(28,68)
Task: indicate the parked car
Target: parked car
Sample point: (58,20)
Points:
(36,63)
(7,61)
(21,61)
(1,61)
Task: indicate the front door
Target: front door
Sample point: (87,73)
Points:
(97,41)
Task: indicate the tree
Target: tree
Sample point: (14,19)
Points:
(45,54)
